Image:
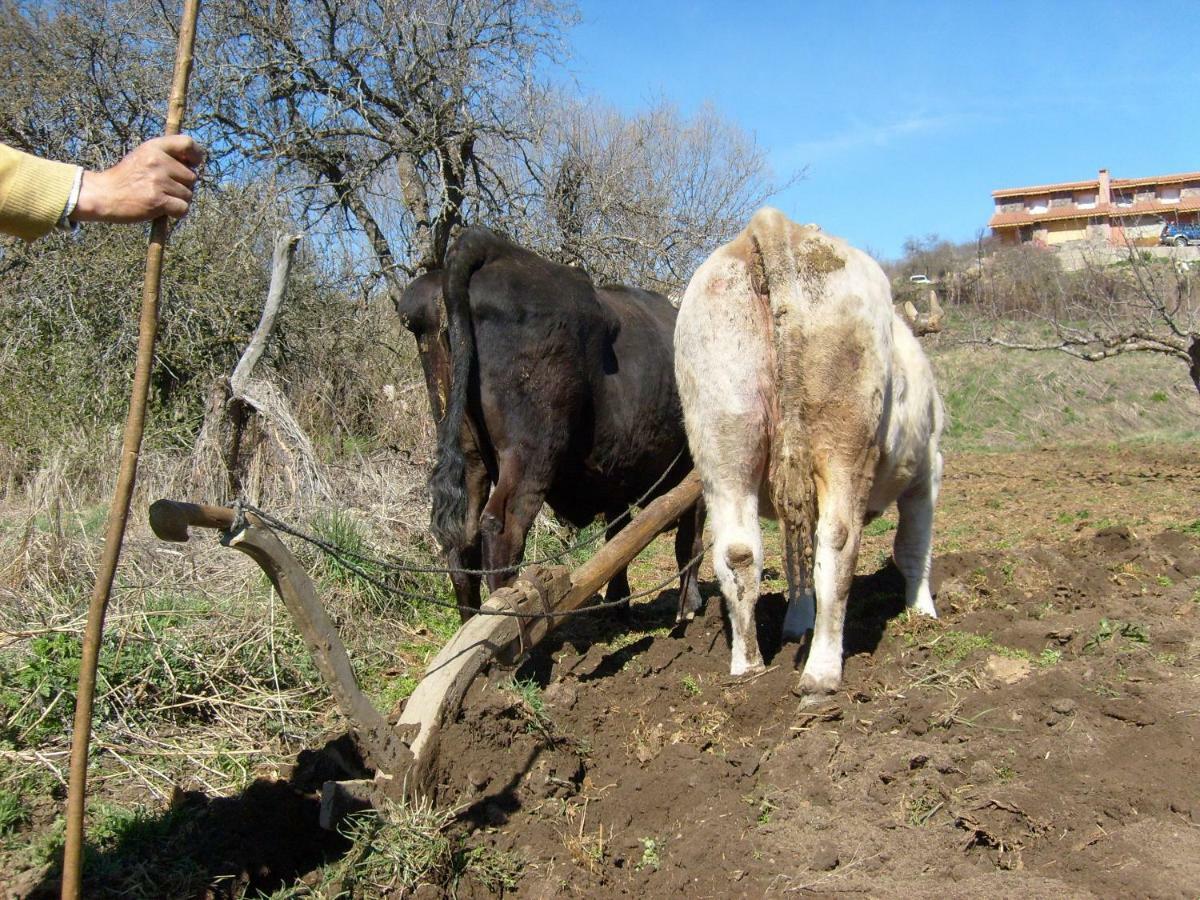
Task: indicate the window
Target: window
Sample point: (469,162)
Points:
(1169,194)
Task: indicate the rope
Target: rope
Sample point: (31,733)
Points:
(242,507)
(560,614)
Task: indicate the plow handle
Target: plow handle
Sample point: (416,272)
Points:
(170,519)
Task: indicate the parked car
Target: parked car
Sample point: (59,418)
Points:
(1179,235)
(919,279)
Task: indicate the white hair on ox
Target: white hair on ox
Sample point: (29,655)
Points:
(807,398)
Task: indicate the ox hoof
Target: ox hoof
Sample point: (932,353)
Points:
(921,601)
(925,609)
(818,685)
(738,670)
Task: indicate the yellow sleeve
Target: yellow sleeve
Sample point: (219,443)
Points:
(33,192)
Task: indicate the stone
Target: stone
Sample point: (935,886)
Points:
(981,770)
(1007,669)
(561,694)
(1064,706)
(825,859)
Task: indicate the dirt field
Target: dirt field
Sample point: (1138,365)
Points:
(1040,738)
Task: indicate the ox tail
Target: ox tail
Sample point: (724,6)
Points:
(448,481)
(778,242)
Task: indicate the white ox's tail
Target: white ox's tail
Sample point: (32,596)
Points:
(786,254)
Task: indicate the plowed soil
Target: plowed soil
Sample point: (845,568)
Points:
(1041,738)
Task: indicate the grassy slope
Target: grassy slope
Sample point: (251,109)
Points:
(1005,400)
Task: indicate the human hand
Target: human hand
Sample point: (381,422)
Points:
(154,179)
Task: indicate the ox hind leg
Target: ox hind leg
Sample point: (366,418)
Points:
(507,517)
(913,548)
(737,560)
(843,487)
(689,542)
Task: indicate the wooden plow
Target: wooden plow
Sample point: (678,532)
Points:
(403,755)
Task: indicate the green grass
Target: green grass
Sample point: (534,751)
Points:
(954,646)
(13,812)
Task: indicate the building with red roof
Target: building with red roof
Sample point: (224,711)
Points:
(1114,210)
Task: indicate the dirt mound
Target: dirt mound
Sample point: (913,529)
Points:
(1040,738)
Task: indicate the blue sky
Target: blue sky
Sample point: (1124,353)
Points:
(907,116)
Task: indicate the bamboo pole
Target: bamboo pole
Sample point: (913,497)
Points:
(118,512)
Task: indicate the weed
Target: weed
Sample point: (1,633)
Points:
(398,848)
(533,704)
(587,848)
(341,530)
(1049,657)
(1066,518)
(392,689)
(651,854)
(691,684)
(1158,397)
(765,809)
(918,810)
(1192,527)
(496,870)
(1107,630)
(1013,652)
(1005,773)
(1164,581)
(1042,610)
(13,813)
(139,853)
(879,526)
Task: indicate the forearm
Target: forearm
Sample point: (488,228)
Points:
(33,193)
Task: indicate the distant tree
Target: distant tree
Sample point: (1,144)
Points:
(643,197)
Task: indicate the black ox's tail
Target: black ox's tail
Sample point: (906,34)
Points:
(448,483)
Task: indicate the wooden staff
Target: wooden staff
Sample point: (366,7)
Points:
(118,512)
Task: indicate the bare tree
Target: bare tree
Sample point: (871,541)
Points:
(382,109)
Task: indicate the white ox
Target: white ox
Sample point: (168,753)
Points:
(808,399)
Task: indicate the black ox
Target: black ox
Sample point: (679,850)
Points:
(548,389)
